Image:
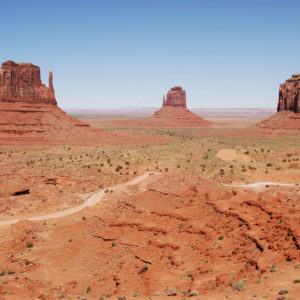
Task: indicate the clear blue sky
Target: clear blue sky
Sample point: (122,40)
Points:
(122,53)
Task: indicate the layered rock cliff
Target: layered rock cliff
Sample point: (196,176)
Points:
(22,83)
(289,95)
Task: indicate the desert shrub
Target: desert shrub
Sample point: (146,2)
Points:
(29,245)
(282,292)
(273,269)
(143,270)
(240,286)
(118,168)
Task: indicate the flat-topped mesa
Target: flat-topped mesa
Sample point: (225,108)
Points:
(289,95)
(22,83)
(175,97)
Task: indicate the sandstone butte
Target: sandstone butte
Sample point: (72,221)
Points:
(174,112)
(28,108)
(288,108)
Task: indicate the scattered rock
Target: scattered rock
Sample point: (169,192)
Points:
(193,293)
(172,292)
(21,192)
(51,181)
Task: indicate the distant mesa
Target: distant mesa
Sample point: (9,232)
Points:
(174,112)
(176,97)
(28,108)
(288,107)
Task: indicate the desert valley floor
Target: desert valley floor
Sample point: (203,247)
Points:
(179,231)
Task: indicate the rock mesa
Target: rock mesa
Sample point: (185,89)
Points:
(288,107)
(29,111)
(174,112)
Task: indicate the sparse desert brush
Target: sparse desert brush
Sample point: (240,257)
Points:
(283,291)
(29,245)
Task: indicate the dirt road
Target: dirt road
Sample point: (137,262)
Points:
(89,202)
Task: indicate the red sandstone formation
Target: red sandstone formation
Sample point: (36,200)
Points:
(22,83)
(176,97)
(289,95)
(28,108)
(174,112)
(288,116)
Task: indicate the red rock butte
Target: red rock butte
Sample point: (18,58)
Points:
(174,112)
(288,107)
(28,108)
(22,83)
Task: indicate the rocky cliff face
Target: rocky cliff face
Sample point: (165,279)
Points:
(22,83)
(175,97)
(289,95)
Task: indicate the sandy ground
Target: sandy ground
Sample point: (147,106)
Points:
(232,155)
(181,232)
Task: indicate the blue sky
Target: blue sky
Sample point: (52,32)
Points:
(127,53)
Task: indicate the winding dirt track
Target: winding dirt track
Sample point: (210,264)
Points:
(97,197)
(91,201)
(262,183)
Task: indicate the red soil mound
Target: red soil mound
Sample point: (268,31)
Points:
(172,116)
(39,121)
(283,120)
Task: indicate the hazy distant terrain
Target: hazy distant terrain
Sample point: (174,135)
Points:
(239,112)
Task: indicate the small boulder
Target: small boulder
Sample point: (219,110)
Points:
(172,292)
